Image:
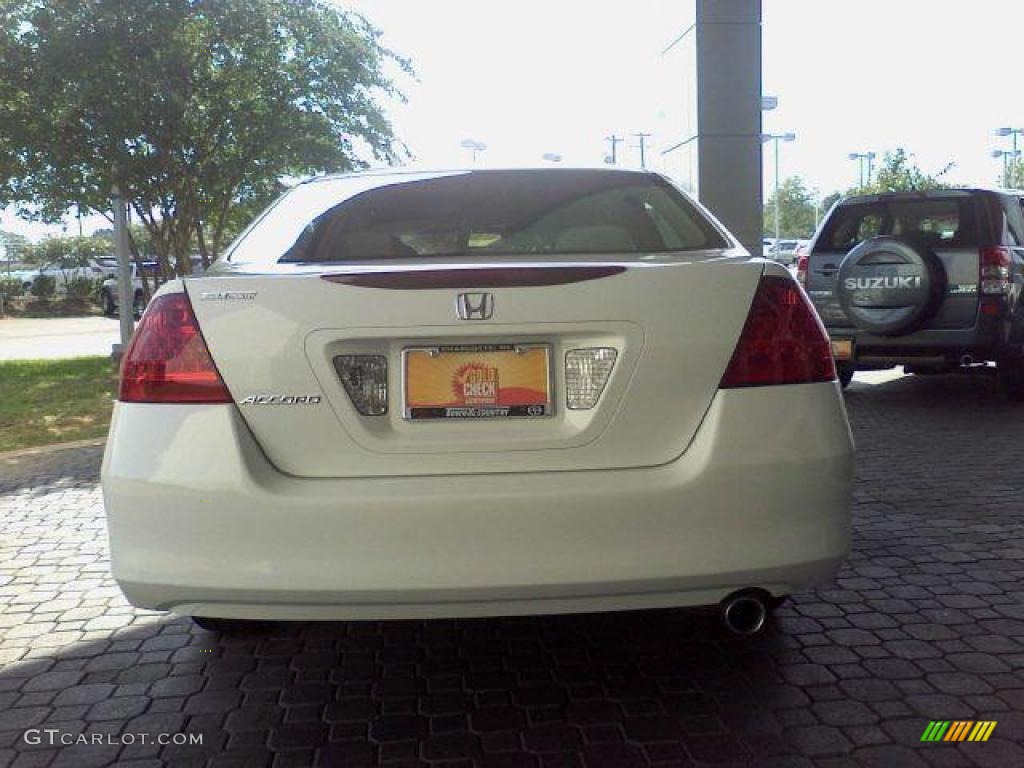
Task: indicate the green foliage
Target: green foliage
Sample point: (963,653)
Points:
(67,252)
(1015,176)
(828,201)
(196,110)
(796,210)
(14,245)
(44,287)
(82,288)
(10,288)
(899,173)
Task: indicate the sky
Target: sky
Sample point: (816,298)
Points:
(529,78)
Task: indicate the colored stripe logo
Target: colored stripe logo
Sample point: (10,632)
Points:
(958,730)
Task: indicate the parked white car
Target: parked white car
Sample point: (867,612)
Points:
(61,275)
(151,271)
(478,393)
(109,292)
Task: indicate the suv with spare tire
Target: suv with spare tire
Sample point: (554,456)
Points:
(929,280)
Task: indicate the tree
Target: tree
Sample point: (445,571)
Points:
(67,254)
(196,109)
(1015,176)
(13,246)
(899,173)
(796,210)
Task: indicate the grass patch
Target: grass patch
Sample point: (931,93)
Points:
(54,401)
(38,308)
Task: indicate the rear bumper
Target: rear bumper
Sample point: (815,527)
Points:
(980,342)
(200,523)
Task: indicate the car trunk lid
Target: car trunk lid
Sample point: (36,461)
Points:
(672,321)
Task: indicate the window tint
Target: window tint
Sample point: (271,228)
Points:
(483,213)
(936,223)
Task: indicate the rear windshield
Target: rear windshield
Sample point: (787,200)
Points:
(950,222)
(481,213)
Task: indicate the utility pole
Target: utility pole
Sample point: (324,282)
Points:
(125,301)
(642,138)
(614,141)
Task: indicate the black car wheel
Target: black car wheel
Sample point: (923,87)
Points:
(890,286)
(845,371)
(1011,377)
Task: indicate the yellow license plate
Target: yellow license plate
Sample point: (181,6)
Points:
(842,349)
(483,381)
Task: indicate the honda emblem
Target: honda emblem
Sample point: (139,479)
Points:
(474,306)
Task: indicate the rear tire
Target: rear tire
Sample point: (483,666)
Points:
(1011,377)
(845,371)
(221,626)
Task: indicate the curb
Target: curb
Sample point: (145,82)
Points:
(47,449)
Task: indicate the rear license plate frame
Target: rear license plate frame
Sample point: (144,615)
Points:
(478,412)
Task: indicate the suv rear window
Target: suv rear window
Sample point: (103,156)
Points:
(949,222)
(532,213)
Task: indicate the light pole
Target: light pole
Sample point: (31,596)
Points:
(775,138)
(1006,154)
(860,157)
(1013,133)
(474,146)
(125,300)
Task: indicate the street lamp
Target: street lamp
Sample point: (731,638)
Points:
(1006,154)
(860,157)
(775,138)
(474,146)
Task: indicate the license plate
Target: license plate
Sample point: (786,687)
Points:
(842,349)
(484,381)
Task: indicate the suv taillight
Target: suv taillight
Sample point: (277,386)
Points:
(783,341)
(994,270)
(801,269)
(167,360)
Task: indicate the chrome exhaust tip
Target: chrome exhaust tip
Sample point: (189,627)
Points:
(744,613)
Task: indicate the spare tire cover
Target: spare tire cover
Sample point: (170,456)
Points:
(888,285)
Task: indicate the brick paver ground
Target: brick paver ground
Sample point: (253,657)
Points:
(926,622)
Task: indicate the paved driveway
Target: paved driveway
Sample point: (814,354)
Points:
(926,623)
(50,338)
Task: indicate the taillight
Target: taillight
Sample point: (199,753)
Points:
(783,341)
(167,360)
(994,270)
(801,269)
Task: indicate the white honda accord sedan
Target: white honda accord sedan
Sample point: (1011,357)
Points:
(470,393)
